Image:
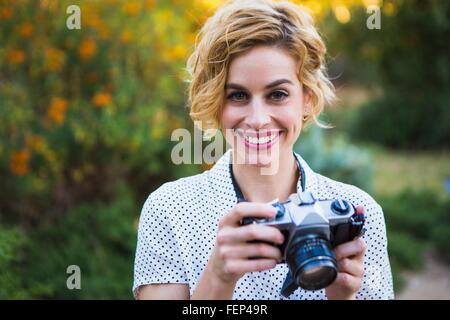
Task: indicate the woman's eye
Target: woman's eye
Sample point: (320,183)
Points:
(278,95)
(237,96)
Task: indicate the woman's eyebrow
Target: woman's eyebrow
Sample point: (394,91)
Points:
(270,85)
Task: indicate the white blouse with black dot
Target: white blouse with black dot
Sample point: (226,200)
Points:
(179,222)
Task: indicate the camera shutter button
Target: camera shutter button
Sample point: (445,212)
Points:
(280,210)
(340,207)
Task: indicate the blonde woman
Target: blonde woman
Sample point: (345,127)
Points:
(257,74)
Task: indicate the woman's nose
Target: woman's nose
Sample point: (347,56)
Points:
(258,116)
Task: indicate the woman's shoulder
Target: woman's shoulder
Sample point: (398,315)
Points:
(195,192)
(178,189)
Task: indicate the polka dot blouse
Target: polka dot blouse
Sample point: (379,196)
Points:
(179,223)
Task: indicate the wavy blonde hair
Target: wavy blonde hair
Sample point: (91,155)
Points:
(238,26)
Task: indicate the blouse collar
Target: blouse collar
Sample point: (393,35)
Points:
(220,174)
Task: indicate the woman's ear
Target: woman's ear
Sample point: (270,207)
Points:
(307,101)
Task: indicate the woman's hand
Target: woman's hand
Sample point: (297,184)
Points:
(350,258)
(230,258)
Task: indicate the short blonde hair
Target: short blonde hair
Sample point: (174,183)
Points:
(240,25)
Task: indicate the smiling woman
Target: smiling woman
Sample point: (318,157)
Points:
(258,74)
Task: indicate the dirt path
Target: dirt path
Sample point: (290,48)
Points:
(432,283)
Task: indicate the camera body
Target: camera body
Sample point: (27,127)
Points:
(311,229)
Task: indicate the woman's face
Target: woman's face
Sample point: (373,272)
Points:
(264,105)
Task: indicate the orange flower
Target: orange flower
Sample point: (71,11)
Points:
(18,162)
(49,5)
(25,30)
(5,13)
(102,99)
(57,110)
(93,20)
(126,36)
(16,56)
(87,49)
(54,59)
(149,4)
(131,8)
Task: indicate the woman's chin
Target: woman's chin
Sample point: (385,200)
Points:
(258,159)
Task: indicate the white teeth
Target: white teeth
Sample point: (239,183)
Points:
(261,140)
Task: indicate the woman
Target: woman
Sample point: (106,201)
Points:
(257,73)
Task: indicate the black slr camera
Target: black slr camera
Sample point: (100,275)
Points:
(311,229)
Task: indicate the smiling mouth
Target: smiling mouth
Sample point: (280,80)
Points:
(259,139)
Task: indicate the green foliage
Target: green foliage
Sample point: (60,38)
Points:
(98,237)
(412,212)
(336,157)
(416,220)
(12,242)
(405,251)
(84,107)
(408,120)
(397,279)
(408,59)
(440,235)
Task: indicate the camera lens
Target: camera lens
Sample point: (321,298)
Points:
(312,262)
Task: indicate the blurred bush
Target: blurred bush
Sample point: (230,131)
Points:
(410,120)
(12,242)
(98,237)
(416,221)
(408,60)
(83,109)
(82,113)
(336,158)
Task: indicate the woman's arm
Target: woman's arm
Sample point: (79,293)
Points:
(210,287)
(228,262)
(167,291)
(230,259)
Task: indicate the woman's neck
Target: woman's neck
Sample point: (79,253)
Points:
(258,187)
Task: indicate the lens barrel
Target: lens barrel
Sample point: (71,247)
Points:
(312,262)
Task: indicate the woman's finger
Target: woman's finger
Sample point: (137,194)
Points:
(247,209)
(348,282)
(250,250)
(360,209)
(351,266)
(250,232)
(244,266)
(356,247)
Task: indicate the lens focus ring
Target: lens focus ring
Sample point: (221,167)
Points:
(312,263)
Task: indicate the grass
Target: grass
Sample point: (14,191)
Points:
(395,171)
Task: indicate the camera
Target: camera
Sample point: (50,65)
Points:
(311,229)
